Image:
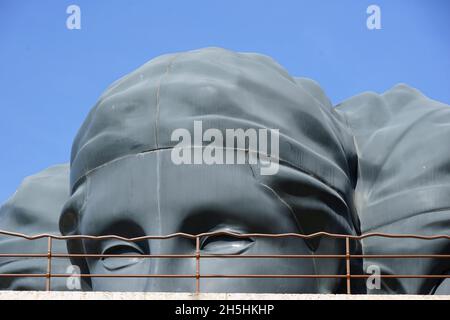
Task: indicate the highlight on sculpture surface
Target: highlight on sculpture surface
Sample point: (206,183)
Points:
(214,140)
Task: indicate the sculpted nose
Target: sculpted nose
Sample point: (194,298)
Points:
(167,269)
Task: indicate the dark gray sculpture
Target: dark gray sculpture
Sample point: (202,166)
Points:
(402,139)
(124,181)
(34,209)
(379,158)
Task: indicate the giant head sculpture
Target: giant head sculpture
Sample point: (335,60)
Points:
(403,183)
(213,140)
(124,179)
(34,209)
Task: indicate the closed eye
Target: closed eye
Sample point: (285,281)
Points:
(224,244)
(115,263)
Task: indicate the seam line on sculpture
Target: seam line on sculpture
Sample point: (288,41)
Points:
(253,172)
(158,204)
(280,160)
(158,182)
(295,219)
(158,99)
(85,194)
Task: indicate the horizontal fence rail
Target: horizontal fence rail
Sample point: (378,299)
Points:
(198,256)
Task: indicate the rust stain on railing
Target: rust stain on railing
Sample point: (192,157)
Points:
(198,256)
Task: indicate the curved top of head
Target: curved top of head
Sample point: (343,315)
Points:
(225,90)
(403,183)
(403,163)
(36,205)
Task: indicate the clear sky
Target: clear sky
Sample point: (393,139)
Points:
(51,76)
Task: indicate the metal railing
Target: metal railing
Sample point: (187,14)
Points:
(198,256)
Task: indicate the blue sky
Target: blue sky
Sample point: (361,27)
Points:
(51,76)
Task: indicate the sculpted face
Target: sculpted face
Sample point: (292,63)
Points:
(131,198)
(124,179)
(130,176)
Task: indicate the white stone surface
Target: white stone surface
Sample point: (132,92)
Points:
(59,295)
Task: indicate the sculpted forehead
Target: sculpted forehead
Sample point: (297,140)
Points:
(224,90)
(164,202)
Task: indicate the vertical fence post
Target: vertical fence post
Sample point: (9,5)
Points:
(49,263)
(197,264)
(347,263)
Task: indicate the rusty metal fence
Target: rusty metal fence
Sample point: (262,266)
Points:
(198,256)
